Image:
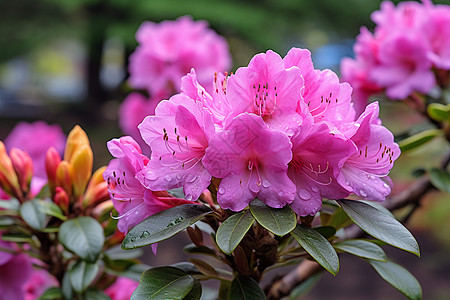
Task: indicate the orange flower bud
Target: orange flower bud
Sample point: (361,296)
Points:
(81,161)
(64,177)
(62,199)
(8,178)
(97,190)
(52,160)
(23,165)
(77,138)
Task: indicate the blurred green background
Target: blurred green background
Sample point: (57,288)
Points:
(65,62)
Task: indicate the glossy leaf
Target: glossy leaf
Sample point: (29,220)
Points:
(164,283)
(10,204)
(440,179)
(52,293)
(164,225)
(31,213)
(439,112)
(418,139)
(232,230)
(380,225)
(66,287)
(82,236)
(280,221)
(192,249)
(399,278)
(339,219)
(51,209)
(44,192)
(82,274)
(245,288)
(326,231)
(95,294)
(318,247)
(362,248)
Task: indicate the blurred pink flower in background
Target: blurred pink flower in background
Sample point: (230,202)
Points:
(122,289)
(15,270)
(38,283)
(35,139)
(132,111)
(169,50)
(409,42)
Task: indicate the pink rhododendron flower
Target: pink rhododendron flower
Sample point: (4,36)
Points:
(131,199)
(15,270)
(277,129)
(122,289)
(168,50)
(178,135)
(268,89)
(364,170)
(409,42)
(35,139)
(38,283)
(252,161)
(131,113)
(318,156)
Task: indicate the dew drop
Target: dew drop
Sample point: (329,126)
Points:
(386,185)
(265,183)
(144,234)
(347,182)
(363,193)
(281,194)
(189,197)
(167,178)
(178,176)
(133,239)
(151,175)
(290,132)
(221,190)
(304,194)
(192,179)
(314,188)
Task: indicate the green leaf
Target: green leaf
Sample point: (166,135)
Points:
(318,247)
(399,278)
(164,283)
(82,274)
(83,236)
(32,215)
(51,294)
(245,288)
(304,287)
(362,248)
(44,192)
(339,219)
(232,230)
(192,249)
(280,221)
(418,139)
(439,112)
(51,209)
(11,204)
(66,287)
(380,225)
(95,294)
(204,268)
(164,225)
(440,179)
(178,193)
(326,231)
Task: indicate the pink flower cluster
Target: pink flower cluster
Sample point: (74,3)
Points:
(166,52)
(409,43)
(131,199)
(277,129)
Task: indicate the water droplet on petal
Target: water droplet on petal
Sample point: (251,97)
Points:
(192,179)
(304,194)
(151,175)
(347,182)
(281,194)
(314,188)
(168,178)
(290,132)
(178,176)
(189,197)
(386,186)
(221,190)
(363,193)
(265,183)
